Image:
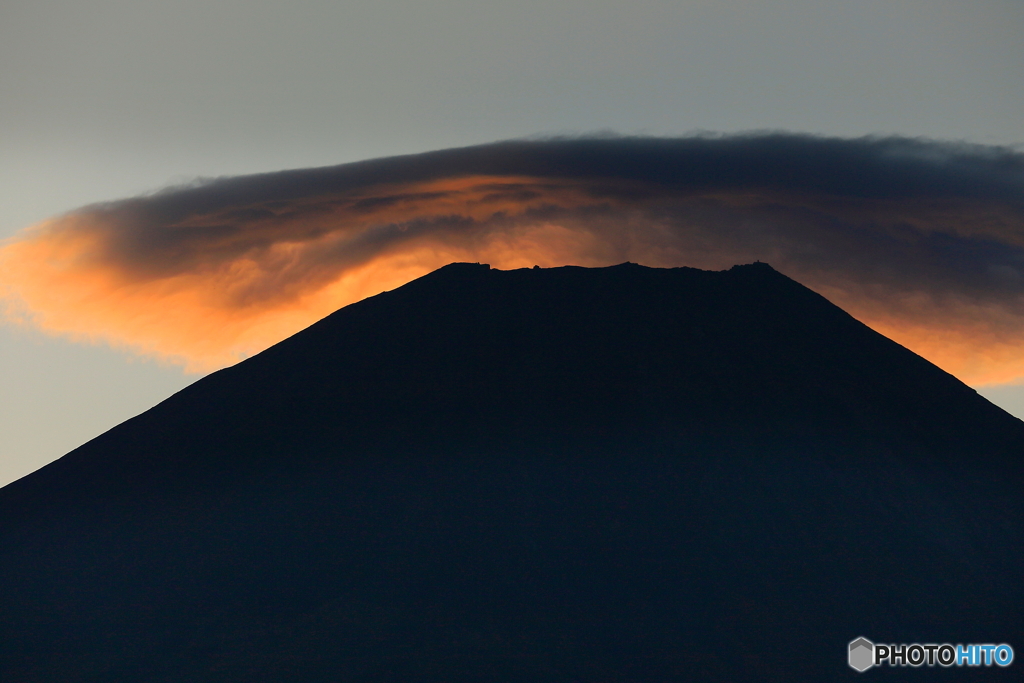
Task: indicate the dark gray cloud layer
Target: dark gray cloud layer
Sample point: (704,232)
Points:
(866,168)
(923,239)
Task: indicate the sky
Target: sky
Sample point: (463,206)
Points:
(106,101)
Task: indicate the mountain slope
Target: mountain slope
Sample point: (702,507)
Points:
(546,474)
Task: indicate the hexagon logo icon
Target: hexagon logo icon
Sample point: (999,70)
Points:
(862,654)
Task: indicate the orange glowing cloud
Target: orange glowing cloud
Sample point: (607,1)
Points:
(923,241)
(246,277)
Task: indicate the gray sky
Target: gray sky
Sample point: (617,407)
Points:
(108,99)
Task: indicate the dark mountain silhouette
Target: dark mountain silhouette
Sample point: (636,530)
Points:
(568,474)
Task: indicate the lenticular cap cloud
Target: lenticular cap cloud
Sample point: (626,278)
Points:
(923,240)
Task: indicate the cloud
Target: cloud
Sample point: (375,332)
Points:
(922,240)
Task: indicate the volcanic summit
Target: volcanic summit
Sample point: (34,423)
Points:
(621,473)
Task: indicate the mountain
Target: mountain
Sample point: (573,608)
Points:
(566,474)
